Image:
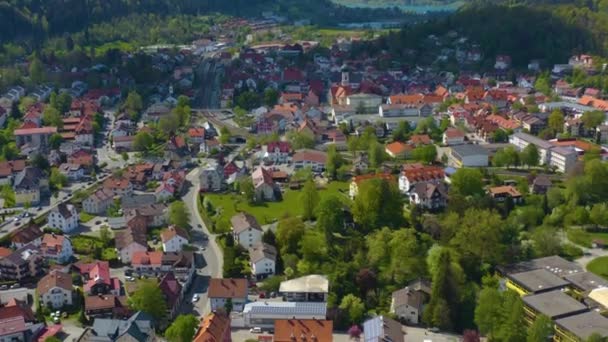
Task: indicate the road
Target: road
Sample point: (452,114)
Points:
(212,265)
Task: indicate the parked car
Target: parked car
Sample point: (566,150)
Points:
(195,298)
(255,330)
(4,287)
(15,286)
(129,279)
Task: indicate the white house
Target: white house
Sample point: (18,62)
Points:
(64,217)
(408,303)
(164,192)
(263,185)
(129,242)
(277,152)
(211,176)
(453,136)
(220,290)
(310,159)
(56,247)
(468,156)
(246,230)
(173,239)
(55,290)
(72,171)
(262,258)
(413,174)
(98,202)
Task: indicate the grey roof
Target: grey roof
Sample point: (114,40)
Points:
(469,150)
(538,280)
(586,281)
(262,250)
(136,201)
(533,140)
(564,151)
(243,221)
(28,178)
(137,328)
(288,309)
(554,304)
(381,329)
(554,264)
(407,296)
(585,324)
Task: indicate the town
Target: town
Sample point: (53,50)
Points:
(281,189)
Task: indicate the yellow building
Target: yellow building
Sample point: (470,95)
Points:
(536,281)
(579,327)
(553,304)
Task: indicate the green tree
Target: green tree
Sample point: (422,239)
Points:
(467,182)
(596,337)
(247,189)
(248,100)
(182,329)
(271,97)
(57,180)
(512,319)
(55,141)
(592,119)
(402,132)
(133,104)
(299,140)
(543,83)
(506,157)
(36,71)
(540,330)
(290,231)
(61,102)
(447,279)
(334,161)
(7,193)
(376,154)
(105,236)
(52,117)
(225,135)
(378,203)
(179,215)
(556,121)
(330,217)
(309,199)
(52,339)
(530,155)
(426,154)
(598,215)
(149,298)
(488,310)
(353,307)
(143,141)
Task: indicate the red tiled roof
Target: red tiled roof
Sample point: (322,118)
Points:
(417,172)
(303,330)
(227,288)
(40,130)
(213,328)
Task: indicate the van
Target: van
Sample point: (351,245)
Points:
(255,330)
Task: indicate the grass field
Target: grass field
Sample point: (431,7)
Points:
(584,238)
(227,205)
(84,217)
(599,266)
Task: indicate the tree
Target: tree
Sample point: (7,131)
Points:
(427,153)
(598,215)
(289,233)
(247,189)
(178,214)
(543,83)
(299,140)
(225,135)
(15,112)
(530,155)
(402,132)
(36,71)
(133,104)
(55,140)
(182,329)
(271,97)
(228,306)
(353,307)
(61,102)
(149,298)
(376,154)
(334,161)
(309,199)
(330,217)
(512,319)
(104,236)
(248,100)
(447,278)
(7,193)
(52,117)
(540,330)
(488,309)
(57,180)
(592,119)
(556,121)
(52,339)
(506,157)
(596,337)
(378,203)
(467,182)
(143,141)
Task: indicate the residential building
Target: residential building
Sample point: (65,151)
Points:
(152,215)
(64,217)
(155,263)
(246,230)
(501,193)
(220,290)
(98,202)
(10,169)
(453,136)
(173,292)
(310,159)
(36,138)
(534,282)
(397,149)
(310,288)
(73,172)
(264,313)
(57,248)
(562,159)
(173,239)
(120,186)
(554,304)
(304,329)
(137,328)
(468,156)
(29,234)
(23,264)
(18,323)
(408,303)
(381,328)
(131,241)
(214,327)
(97,279)
(413,174)
(429,195)
(211,176)
(28,186)
(103,306)
(540,185)
(278,152)
(55,290)
(263,184)
(404,110)
(262,258)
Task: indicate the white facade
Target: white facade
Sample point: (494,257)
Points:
(64,255)
(127,253)
(211,177)
(96,205)
(562,159)
(57,297)
(175,244)
(406,312)
(219,303)
(66,221)
(249,237)
(263,267)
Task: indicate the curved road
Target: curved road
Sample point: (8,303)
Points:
(213,259)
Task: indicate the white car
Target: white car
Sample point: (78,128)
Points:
(255,330)
(195,298)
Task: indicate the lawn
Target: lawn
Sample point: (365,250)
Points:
(599,266)
(83,244)
(227,205)
(84,217)
(585,238)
